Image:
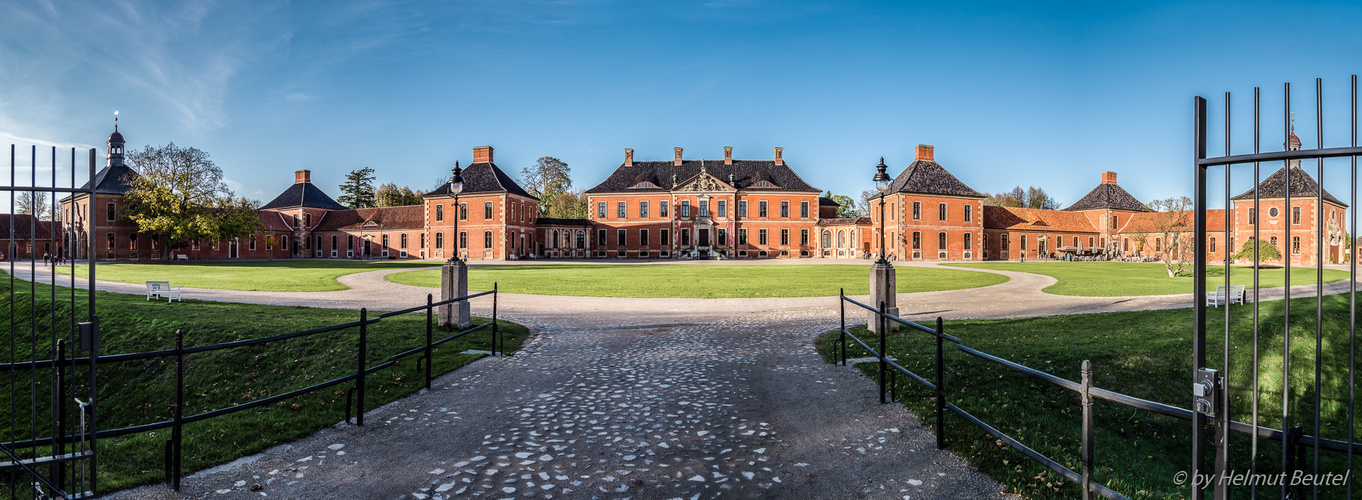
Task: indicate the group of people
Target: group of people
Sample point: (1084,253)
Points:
(50,260)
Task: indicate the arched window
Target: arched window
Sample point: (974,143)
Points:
(917,240)
(969,213)
(1212,244)
(439,213)
(132,242)
(841,239)
(385,242)
(1004,242)
(486,239)
(439,240)
(487,211)
(581,239)
(109,215)
(1158,244)
(826,239)
(463,211)
(967,239)
(1023,243)
(941,240)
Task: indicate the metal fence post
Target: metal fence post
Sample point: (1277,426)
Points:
(363,348)
(429,358)
(940,386)
(496,331)
(883,366)
(59,437)
(1087,429)
(178,431)
(842,334)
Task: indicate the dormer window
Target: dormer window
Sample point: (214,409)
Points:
(763,184)
(645,185)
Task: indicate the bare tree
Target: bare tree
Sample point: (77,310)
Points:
(1170,227)
(34,203)
(863,208)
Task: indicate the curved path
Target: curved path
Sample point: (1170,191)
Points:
(634,398)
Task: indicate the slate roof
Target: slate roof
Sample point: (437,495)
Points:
(23,226)
(1108,195)
(1302,185)
(824,201)
(114,180)
(483,178)
(929,177)
(845,221)
(1147,222)
(408,216)
(663,174)
(1035,219)
(303,194)
(550,221)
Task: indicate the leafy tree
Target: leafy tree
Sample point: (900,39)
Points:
(545,179)
(35,203)
(1036,198)
(389,195)
(1170,228)
(846,207)
(358,189)
(269,246)
(569,205)
(181,195)
(1266,252)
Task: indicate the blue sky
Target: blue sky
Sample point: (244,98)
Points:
(1010,93)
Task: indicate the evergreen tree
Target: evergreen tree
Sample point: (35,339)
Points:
(358,189)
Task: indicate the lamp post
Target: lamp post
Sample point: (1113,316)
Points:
(882,184)
(454,273)
(456,187)
(882,276)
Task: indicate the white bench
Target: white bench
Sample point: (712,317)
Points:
(1219,296)
(160,289)
(181,257)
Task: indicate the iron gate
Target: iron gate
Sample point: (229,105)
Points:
(1278,451)
(48,450)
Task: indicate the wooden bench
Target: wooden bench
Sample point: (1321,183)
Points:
(160,289)
(1220,296)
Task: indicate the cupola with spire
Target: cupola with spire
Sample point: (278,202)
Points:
(114,158)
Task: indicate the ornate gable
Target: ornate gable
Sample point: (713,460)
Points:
(704,182)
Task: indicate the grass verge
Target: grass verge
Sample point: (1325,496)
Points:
(268,276)
(141,392)
(1145,354)
(1121,279)
(698,281)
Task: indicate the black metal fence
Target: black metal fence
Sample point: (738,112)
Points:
(888,381)
(1212,418)
(40,414)
(355,396)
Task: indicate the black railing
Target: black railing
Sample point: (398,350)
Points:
(888,384)
(355,396)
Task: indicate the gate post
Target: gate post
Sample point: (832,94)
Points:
(883,366)
(1199,290)
(1086,456)
(453,284)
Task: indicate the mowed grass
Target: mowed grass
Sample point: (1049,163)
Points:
(1146,354)
(142,392)
(1120,279)
(291,275)
(698,281)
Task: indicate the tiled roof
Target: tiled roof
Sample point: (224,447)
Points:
(303,194)
(746,174)
(274,221)
(23,228)
(1107,195)
(409,216)
(550,221)
(1150,221)
(1035,219)
(483,178)
(1302,185)
(929,177)
(845,221)
(113,180)
(824,201)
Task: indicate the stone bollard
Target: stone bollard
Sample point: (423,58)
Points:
(883,287)
(454,283)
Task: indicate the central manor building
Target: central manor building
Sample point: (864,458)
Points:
(699,209)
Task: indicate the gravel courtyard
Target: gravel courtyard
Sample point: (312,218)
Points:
(634,404)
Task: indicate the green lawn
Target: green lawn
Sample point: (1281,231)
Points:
(140,392)
(698,281)
(291,275)
(1120,279)
(1146,354)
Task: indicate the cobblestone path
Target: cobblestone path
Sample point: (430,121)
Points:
(671,405)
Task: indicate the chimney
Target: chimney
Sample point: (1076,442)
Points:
(779,160)
(628,157)
(1108,177)
(302,176)
(677,160)
(482,154)
(925,153)
(728,155)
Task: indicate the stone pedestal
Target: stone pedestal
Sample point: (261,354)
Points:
(454,283)
(883,288)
